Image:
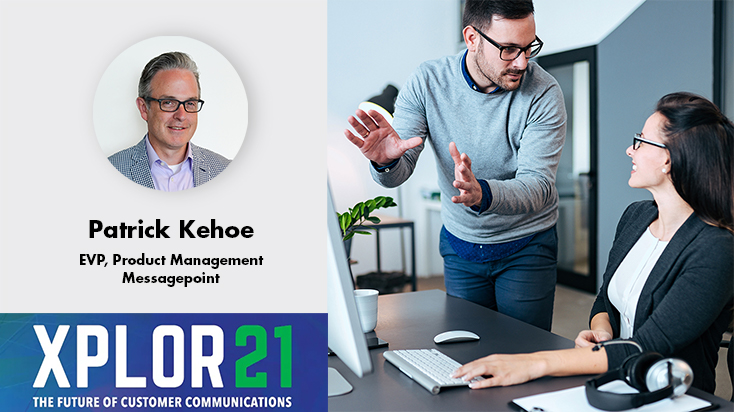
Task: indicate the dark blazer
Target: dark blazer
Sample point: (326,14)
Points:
(686,303)
(133,164)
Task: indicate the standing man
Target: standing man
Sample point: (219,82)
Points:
(169,101)
(492,105)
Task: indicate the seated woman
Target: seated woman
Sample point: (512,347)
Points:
(669,283)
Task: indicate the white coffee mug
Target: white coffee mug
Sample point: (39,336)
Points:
(366,300)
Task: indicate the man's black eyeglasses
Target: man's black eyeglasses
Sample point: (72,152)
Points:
(171,105)
(638,140)
(510,53)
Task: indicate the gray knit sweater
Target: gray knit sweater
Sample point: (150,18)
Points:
(513,139)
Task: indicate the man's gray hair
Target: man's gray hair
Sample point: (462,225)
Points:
(166,61)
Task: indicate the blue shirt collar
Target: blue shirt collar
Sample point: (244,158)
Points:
(468,78)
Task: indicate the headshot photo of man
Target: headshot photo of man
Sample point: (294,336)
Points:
(169,101)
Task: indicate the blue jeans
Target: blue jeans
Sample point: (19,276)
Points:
(521,285)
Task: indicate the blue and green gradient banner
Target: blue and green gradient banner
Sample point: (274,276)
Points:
(100,362)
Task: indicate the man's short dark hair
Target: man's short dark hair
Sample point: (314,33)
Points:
(166,61)
(479,13)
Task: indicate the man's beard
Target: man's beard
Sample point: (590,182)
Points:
(500,80)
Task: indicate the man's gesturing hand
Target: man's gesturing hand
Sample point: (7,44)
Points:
(377,140)
(470,192)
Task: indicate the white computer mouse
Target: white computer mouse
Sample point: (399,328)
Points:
(455,336)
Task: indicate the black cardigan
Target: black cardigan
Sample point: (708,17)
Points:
(686,303)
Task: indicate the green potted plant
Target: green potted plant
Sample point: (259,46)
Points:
(351,222)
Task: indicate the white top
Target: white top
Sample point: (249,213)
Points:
(631,275)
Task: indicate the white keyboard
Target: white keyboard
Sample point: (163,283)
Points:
(429,367)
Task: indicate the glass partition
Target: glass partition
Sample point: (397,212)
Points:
(575,72)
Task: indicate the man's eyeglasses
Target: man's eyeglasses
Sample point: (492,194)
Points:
(510,53)
(638,140)
(171,105)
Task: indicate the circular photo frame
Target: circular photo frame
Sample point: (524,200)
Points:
(221,124)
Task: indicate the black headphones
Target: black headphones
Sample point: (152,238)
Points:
(655,377)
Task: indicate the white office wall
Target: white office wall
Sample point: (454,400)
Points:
(646,57)
(371,44)
(570,24)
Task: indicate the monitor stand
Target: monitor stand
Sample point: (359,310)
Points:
(373,341)
(337,384)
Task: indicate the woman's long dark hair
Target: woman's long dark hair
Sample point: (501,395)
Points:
(700,140)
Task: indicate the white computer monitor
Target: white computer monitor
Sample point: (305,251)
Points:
(346,339)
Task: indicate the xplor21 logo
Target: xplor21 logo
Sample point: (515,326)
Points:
(244,378)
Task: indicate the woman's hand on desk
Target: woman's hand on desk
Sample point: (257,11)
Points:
(503,370)
(591,338)
(601,330)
